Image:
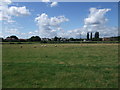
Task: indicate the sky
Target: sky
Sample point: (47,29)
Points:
(63,19)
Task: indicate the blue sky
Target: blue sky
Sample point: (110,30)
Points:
(76,12)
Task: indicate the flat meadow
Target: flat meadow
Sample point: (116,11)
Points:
(60,66)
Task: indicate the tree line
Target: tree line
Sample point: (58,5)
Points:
(14,38)
(89,37)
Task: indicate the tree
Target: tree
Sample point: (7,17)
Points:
(1,39)
(97,35)
(88,36)
(71,39)
(91,36)
(55,38)
(96,38)
(35,38)
(14,37)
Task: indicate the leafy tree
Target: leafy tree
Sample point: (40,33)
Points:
(96,35)
(96,38)
(35,38)
(71,39)
(55,38)
(15,37)
(91,36)
(1,39)
(12,39)
(88,36)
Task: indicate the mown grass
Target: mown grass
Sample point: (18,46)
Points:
(64,66)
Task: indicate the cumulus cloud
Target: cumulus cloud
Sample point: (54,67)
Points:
(96,21)
(96,17)
(6,13)
(18,11)
(49,27)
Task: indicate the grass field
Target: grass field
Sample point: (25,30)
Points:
(64,66)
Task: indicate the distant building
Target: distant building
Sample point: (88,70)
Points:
(109,39)
(22,40)
(10,39)
(45,39)
(63,39)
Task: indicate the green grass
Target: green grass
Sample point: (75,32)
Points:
(64,66)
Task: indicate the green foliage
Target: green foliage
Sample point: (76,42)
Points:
(91,36)
(88,36)
(15,37)
(96,35)
(34,38)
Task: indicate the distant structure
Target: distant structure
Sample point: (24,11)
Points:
(111,38)
(91,36)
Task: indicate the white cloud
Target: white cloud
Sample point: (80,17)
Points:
(53,4)
(18,11)
(49,27)
(6,13)
(96,21)
(96,17)
(45,0)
